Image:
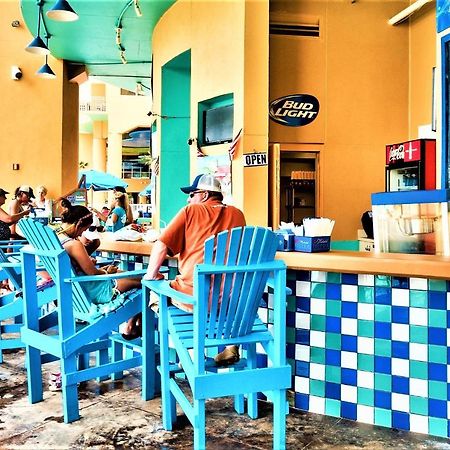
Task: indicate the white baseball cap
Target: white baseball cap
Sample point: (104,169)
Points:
(203,182)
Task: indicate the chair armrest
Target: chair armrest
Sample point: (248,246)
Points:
(256,267)
(162,287)
(110,276)
(271,281)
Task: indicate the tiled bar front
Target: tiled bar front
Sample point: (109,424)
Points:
(371,348)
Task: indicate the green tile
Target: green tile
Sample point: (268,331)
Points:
(333,308)
(318,290)
(437,390)
(318,323)
(365,328)
(332,407)
(383,313)
(333,341)
(291,306)
(365,362)
(383,382)
(418,334)
(290,335)
(383,347)
(418,405)
(419,369)
(437,354)
(317,355)
(291,275)
(333,277)
(270,320)
(437,285)
(317,388)
(418,299)
(437,318)
(333,374)
(365,294)
(383,417)
(437,427)
(365,396)
(382,280)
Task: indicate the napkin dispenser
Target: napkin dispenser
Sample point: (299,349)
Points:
(285,240)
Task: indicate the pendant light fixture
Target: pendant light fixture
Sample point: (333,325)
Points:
(37,45)
(62,12)
(45,71)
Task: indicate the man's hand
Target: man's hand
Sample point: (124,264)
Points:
(149,276)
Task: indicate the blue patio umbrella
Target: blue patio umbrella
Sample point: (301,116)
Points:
(146,191)
(101,181)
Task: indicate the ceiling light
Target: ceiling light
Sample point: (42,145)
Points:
(62,12)
(37,46)
(411,9)
(45,71)
(137,8)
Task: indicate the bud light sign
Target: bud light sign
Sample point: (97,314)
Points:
(294,110)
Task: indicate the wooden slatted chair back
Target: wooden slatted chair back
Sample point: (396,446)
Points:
(45,239)
(233,298)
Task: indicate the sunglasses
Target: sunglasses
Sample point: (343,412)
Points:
(100,228)
(195,192)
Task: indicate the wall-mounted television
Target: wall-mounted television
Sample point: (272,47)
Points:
(218,125)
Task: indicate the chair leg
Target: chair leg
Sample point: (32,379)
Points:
(252,397)
(116,355)
(148,353)
(102,358)
(199,425)
(34,374)
(279,419)
(69,392)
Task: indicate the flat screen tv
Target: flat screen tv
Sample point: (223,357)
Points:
(218,125)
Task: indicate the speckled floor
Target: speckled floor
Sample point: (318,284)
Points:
(115,417)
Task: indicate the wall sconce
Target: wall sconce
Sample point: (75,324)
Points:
(16,166)
(62,12)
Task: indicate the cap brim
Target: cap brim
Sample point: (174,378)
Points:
(188,189)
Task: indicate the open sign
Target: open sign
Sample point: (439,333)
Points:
(255,159)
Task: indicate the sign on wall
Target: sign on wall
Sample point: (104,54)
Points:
(255,159)
(294,110)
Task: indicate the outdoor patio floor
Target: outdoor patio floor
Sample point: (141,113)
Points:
(113,416)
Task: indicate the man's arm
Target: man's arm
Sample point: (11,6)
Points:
(157,257)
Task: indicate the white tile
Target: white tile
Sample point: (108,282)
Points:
(317,371)
(260,349)
(366,280)
(302,352)
(366,345)
(418,283)
(448,300)
(448,409)
(317,338)
(349,393)
(349,293)
(349,360)
(448,373)
(318,306)
(400,297)
(400,367)
(349,326)
(316,404)
(400,332)
(418,424)
(318,276)
(270,301)
(400,402)
(366,311)
(418,387)
(303,289)
(418,352)
(303,320)
(365,414)
(301,385)
(365,379)
(418,316)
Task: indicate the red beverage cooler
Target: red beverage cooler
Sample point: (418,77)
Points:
(411,165)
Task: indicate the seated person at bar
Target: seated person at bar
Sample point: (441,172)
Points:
(204,216)
(118,190)
(21,202)
(117,218)
(7,219)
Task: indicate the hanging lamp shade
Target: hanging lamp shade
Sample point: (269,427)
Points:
(37,46)
(62,12)
(46,72)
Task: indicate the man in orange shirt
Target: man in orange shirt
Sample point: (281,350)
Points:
(204,216)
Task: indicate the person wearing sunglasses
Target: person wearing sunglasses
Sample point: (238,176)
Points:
(204,216)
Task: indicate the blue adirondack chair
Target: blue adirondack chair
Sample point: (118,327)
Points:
(83,328)
(228,288)
(11,303)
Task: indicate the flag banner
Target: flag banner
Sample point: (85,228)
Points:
(235,144)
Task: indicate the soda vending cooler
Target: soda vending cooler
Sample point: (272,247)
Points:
(411,165)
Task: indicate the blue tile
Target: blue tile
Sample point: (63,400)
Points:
(302,369)
(400,314)
(400,420)
(261,360)
(303,275)
(303,304)
(349,309)
(333,324)
(350,278)
(400,282)
(332,357)
(437,300)
(301,336)
(302,401)
(349,376)
(382,364)
(382,399)
(349,343)
(333,291)
(348,410)
(383,295)
(290,319)
(332,390)
(383,330)
(400,349)
(400,384)
(437,372)
(437,336)
(290,350)
(437,408)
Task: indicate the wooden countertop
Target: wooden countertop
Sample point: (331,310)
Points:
(397,264)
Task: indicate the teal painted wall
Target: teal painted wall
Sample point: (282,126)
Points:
(174,157)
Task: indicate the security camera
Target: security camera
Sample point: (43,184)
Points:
(16,73)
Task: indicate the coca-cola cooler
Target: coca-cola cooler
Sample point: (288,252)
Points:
(411,165)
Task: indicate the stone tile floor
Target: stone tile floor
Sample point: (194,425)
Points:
(113,416)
